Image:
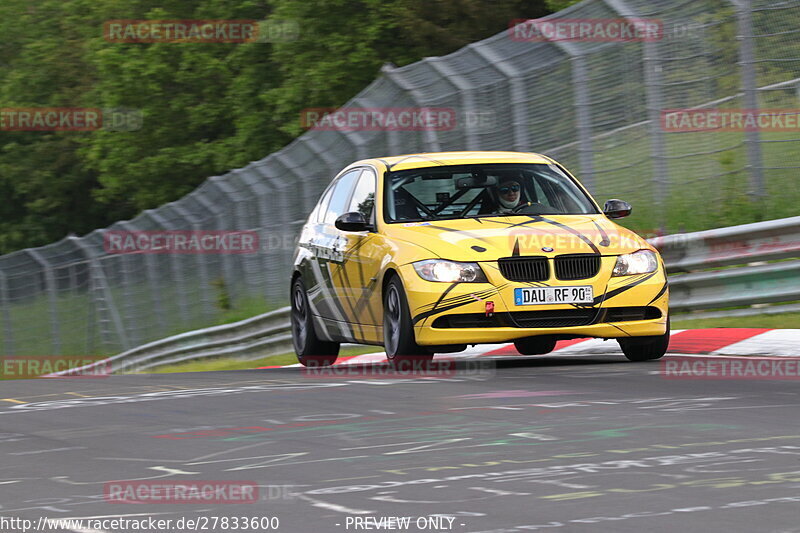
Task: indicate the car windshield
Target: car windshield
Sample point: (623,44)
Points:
(469,191)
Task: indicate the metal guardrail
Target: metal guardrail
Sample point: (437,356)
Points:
(253,338)
(735,245)
(687,257)
(739,253)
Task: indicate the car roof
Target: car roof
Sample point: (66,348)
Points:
(433,159)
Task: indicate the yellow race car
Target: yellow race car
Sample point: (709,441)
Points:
(428,253)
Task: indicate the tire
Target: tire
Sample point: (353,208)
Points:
(398,331)
(535,345)
(645,348)
(310,349)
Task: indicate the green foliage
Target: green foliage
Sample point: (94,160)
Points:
(206,108)
(776,321)
(558,5)
(209,108)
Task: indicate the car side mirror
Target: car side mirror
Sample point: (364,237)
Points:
(617,209)
(352,221)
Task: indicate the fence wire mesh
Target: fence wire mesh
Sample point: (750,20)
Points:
(597,106)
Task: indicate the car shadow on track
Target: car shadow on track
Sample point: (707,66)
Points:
(444,367)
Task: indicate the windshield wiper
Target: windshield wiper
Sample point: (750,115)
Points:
(486,215)
(418,219)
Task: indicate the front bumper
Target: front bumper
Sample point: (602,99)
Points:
(466,303)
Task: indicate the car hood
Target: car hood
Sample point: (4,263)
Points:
(487,239)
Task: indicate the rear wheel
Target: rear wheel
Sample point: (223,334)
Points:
(310,349)
(645,348)
(535,345)
(398,330)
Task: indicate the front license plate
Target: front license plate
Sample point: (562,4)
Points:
(553,295)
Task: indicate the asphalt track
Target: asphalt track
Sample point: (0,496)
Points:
(586,443)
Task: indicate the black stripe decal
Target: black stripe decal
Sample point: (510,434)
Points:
(467,297)
(426,314)
(578,234)
(661,292)
(467,233)
(445,293)
(363,300)
(457,302)
(345,280)
(606,241)
(620,290)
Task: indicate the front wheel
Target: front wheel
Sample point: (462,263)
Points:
(310,349)
(398,330)
(645,348)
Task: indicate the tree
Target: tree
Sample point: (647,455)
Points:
(205,108)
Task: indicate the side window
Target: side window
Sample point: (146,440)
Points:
(340,196)
(319,213)
(363,199)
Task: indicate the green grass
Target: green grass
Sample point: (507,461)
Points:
(777,321)
(236,364)
(79,326)
(707,176)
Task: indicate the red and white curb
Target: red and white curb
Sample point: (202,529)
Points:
(715,341)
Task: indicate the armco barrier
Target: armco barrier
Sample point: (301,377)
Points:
(735,245)
(255,337)
(741,250)
(691,288)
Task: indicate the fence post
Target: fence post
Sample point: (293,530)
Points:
(582,111)
(357,140)
(241,223)
(132,323)
(227,271)
(286,161)
(752,137)
(5,305)
(330,162)
(174,265)
(202,267)
(50,283)
(99,284)
(273,260)
(394,75)
(653,83)
(465,88)
(519,101)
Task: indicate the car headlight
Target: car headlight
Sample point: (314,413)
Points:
(449,271)
(640,262)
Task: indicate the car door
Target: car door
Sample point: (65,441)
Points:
(364,251)
(328,290)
